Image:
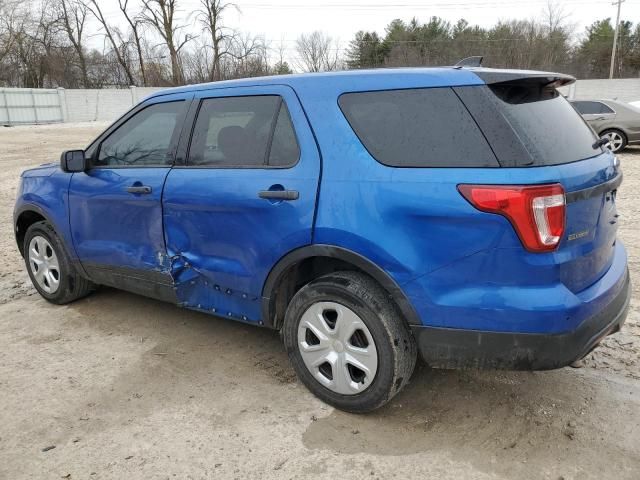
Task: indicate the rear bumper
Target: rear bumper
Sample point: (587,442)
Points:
(459,348)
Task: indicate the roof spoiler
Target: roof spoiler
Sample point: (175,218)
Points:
(546,79)
(491,76)
(496,75)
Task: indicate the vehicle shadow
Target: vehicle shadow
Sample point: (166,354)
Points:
(631,151)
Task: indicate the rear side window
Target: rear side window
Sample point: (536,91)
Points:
(591,108)
(417,128)
(252,131)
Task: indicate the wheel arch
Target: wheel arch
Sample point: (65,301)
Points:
(300,266)
(28,214)
(615,129)
(24,217)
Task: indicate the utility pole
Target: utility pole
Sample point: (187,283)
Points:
(615,38)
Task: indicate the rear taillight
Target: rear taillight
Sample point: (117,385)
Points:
(536,212)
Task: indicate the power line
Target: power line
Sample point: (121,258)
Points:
(431,6)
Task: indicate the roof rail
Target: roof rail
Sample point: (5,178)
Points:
(470,62)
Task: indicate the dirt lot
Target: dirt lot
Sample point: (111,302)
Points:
(126,387)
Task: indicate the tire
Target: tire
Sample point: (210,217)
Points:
(328,304)
(44,252)
(618,140)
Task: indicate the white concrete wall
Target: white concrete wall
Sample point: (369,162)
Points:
(623,89)
(26,105)
(84,105)
(29,105)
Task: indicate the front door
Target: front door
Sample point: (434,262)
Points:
(115,206)
(245,197)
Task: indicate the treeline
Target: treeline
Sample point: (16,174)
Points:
(48,43)
(528,44)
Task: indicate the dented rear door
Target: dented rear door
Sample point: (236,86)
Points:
(244,197)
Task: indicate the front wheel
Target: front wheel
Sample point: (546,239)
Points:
(617,140)
(49,267)
(348,342)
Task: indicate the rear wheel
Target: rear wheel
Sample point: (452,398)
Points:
(347,342)
(617,139)
(49,267)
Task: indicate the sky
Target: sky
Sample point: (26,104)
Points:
(280,22)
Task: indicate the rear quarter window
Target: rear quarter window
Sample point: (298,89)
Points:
(546,123)
(591,108)
(529,125)
(427,127)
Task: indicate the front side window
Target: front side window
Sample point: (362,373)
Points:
(251,131)
(144,139)
(427,127)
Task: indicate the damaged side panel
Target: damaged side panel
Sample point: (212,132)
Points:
(222,239)
(222,236)
(200,289)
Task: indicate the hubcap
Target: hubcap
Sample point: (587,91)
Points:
(615,141)
(44,265)
(337,348)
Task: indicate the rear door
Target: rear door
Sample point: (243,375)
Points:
(115,209)
(244,197)
(597,114)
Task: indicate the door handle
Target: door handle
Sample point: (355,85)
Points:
(279,194)
(144,189)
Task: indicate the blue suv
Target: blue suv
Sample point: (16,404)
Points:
(465,213)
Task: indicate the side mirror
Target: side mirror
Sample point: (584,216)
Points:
(73,161)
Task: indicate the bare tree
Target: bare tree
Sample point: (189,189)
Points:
(281,67)
(248,53)
(554,16)
(8,27)
(317,52)
(558,31)
(23,51)
(161,15)
(281,49)
(135,24)
(72,16)
(119,50)
(197,63)
(33,54)
(210,15)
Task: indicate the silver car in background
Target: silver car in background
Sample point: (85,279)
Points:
(616,121)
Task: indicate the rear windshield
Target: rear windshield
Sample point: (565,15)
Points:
(545,123)
(427,127)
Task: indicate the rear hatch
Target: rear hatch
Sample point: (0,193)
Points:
(530,125)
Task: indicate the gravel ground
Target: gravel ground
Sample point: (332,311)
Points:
(126,387)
